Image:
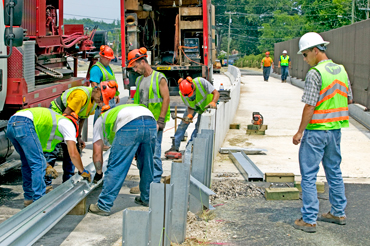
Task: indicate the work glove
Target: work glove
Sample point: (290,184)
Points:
(188,119)
(212,105)
(97,177)
(85,175)
(50,172)
(161,124)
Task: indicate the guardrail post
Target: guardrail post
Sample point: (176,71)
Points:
(136,228)
(180,179)
(160,205)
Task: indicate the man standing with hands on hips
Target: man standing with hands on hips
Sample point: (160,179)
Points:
(327,93)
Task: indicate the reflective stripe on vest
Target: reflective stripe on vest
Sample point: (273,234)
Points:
(106,75)
(284,61)
(46,121)
(53,129)
(88,90)
(155,100)
(331,111)
(202,98)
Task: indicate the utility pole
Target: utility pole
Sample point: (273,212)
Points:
(353,11)
(228,39)
(367,12)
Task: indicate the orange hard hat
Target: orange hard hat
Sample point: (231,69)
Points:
(135,55)
(187,87)
(108,90)
(267,53)
(74,118)
(107,52)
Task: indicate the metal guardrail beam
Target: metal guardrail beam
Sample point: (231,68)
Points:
(199,196)
(9,165)
(247,151)
(246,166)
(31,223)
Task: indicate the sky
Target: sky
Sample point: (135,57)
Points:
(105,10)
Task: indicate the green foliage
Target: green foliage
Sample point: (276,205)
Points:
(251,60)
(258,24)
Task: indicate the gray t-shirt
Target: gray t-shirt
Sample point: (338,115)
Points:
(207,85)
(145,86)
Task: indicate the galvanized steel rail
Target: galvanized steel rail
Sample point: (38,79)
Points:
(246,167)
(30,224)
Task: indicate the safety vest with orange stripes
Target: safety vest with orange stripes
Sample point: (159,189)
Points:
(331,111)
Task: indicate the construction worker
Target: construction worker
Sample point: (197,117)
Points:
(198,95)
(101,71)
(152,91)
(284,64)
(37,130)
(326,95)
(267,63)
(82,101)
(130,129)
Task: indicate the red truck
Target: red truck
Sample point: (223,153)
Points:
(179,36)
(33,57)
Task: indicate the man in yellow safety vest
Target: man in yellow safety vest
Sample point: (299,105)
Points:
(326,95)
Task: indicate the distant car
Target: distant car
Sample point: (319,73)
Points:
(114,59)
(120,58)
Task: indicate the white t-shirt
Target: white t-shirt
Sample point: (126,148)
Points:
(66,127)
(124,116)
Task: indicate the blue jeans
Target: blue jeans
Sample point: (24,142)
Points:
(21,132)
(68,167)
(158,169)
(266,73)
(284,72)
(321,146)
(112,104)
(137,136)
(180,132)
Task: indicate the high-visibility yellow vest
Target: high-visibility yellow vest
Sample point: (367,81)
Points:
(331,111)
(202,98)
(109,121)
(284,61)
(155,98)
(46,122)
(83,113)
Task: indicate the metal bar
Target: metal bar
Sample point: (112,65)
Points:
(160,209)
(199,159)
(180,179)
(246,166)
(210,135)
(136,228)
(199,196)
(8,165)
(187,155)
(31,223)
(247,151)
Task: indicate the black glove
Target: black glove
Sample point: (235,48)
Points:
(97,177)
(161,124)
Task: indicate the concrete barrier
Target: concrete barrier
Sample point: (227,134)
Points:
(220,119)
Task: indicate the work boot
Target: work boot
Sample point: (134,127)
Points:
(173,148)
(94,208)
(141,202)
(328,217)
(48,189)
(27,202)
(135,190)
(301,225)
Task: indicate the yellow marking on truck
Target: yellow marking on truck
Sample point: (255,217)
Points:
(163,68)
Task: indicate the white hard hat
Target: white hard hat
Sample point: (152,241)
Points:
(310,40)
(285,52)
